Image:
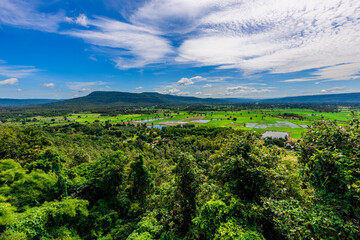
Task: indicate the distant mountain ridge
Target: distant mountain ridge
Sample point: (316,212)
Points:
(324,98)
(8,102)
(118,99)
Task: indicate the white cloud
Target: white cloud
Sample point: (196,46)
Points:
(93,58)
(132,46)
(333,90)
(182,94)
(14,71)
(190,81)
(24,14)
(49,85)
(19,90)
(180,16)
(207,86)
(84,90)
(278,36)
(84,86)
(199,93)
(82,20)
(10,81)
(174,91)
(246,90)
(185,81)
(305,79)
(69,19)
(138,88)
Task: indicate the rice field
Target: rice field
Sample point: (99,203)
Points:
(292,121)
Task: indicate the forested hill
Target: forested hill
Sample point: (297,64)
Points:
(118,99)
(99,98)
(8,102)
(112,99)
(326,98)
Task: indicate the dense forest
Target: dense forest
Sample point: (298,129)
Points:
(120,181)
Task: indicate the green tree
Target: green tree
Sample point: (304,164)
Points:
(51,220)
(247,168)
(212,214)
(187,184)
(22,144)
(23,189)
(330,156)
(140,180)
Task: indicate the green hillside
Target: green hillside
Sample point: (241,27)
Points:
(99,98)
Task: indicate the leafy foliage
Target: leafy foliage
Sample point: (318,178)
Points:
(330,153)
(295,221)
(248,169)
(119,181)
(20,144)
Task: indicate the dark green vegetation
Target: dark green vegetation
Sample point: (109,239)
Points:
(111,180)
(114,99)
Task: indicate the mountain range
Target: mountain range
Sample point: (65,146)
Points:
(115,99)
(9,102)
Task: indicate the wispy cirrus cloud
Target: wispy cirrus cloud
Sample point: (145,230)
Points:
(180,16)
(25,14)
(16,71)
(305,79)
(331,90)
(275,36)
(279,36)
(134,46)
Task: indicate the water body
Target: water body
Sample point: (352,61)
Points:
(200,121)
(285,124)
(157,126)
(174,123)
(148,120)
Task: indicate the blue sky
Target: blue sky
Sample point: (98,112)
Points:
(204,48)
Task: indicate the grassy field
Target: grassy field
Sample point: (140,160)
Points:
(293,121)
